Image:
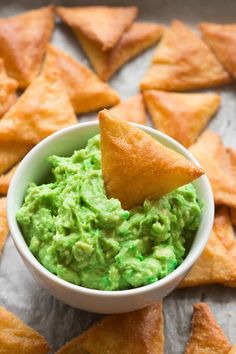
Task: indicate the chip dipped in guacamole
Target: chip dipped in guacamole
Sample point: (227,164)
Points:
(82,236)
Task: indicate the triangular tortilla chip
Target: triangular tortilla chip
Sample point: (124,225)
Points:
(102,24)
(11,153)
(3,231)
(131,110)
(217,264)
(216,161)
(23,39)
(182,61)
(6,179)
(222,40)
(87,92)
(8,88)
(181,115)
(136,166)
(206,335)
(138,332)
(17,338)
(41,110)
(136,39)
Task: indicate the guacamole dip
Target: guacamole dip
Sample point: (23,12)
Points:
(80,235)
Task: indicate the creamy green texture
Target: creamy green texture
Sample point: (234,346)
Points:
(79,234)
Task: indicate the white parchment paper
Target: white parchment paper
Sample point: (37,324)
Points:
(20,293)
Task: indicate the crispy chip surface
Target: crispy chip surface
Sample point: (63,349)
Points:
(102,24)
(182,61)
(5,180)
(181,115)
(206,335)
(233,350)
(233,216)
(26,33)
(87,92)
(136,166)
(42,109)
(17,338)
(131,109)
(3,232)
(218,165)
(136,39)
(217,264)
(222,40)
(72,347)
(8,88)
(129,333)
(11,153)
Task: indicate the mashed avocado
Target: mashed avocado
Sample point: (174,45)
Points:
(80,235)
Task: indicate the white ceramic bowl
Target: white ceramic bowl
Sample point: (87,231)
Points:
(34,167)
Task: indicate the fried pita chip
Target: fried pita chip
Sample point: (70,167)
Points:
(5,180)
(217,263)
(8,88)
(23,39)
(136,166)
(182,61)
(206,336)
(11,153)
(3,230)
(217,163)
(232,155)
(181,115)
(87,92)
(139,37)
(41,110)
(102,24)
(17,338)
(222,40)
(131,109)
(134,332)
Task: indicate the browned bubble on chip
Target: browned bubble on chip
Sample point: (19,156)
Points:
(217,264)
(209,150)
(8,88)
(222,40)
(5,180)
(41,110)
(182,116)
(136,39)
(102,24)
(139,331)
(182,61)
(131,109)
(207,337)
(3,228)
(136,167)
(17,338)
(87,92)
(23,40)
(11,153)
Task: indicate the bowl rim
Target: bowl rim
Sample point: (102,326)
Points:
(26,254)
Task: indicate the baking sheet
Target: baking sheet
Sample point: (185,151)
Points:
(20,293)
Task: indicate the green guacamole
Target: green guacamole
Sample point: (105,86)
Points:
(80,235)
